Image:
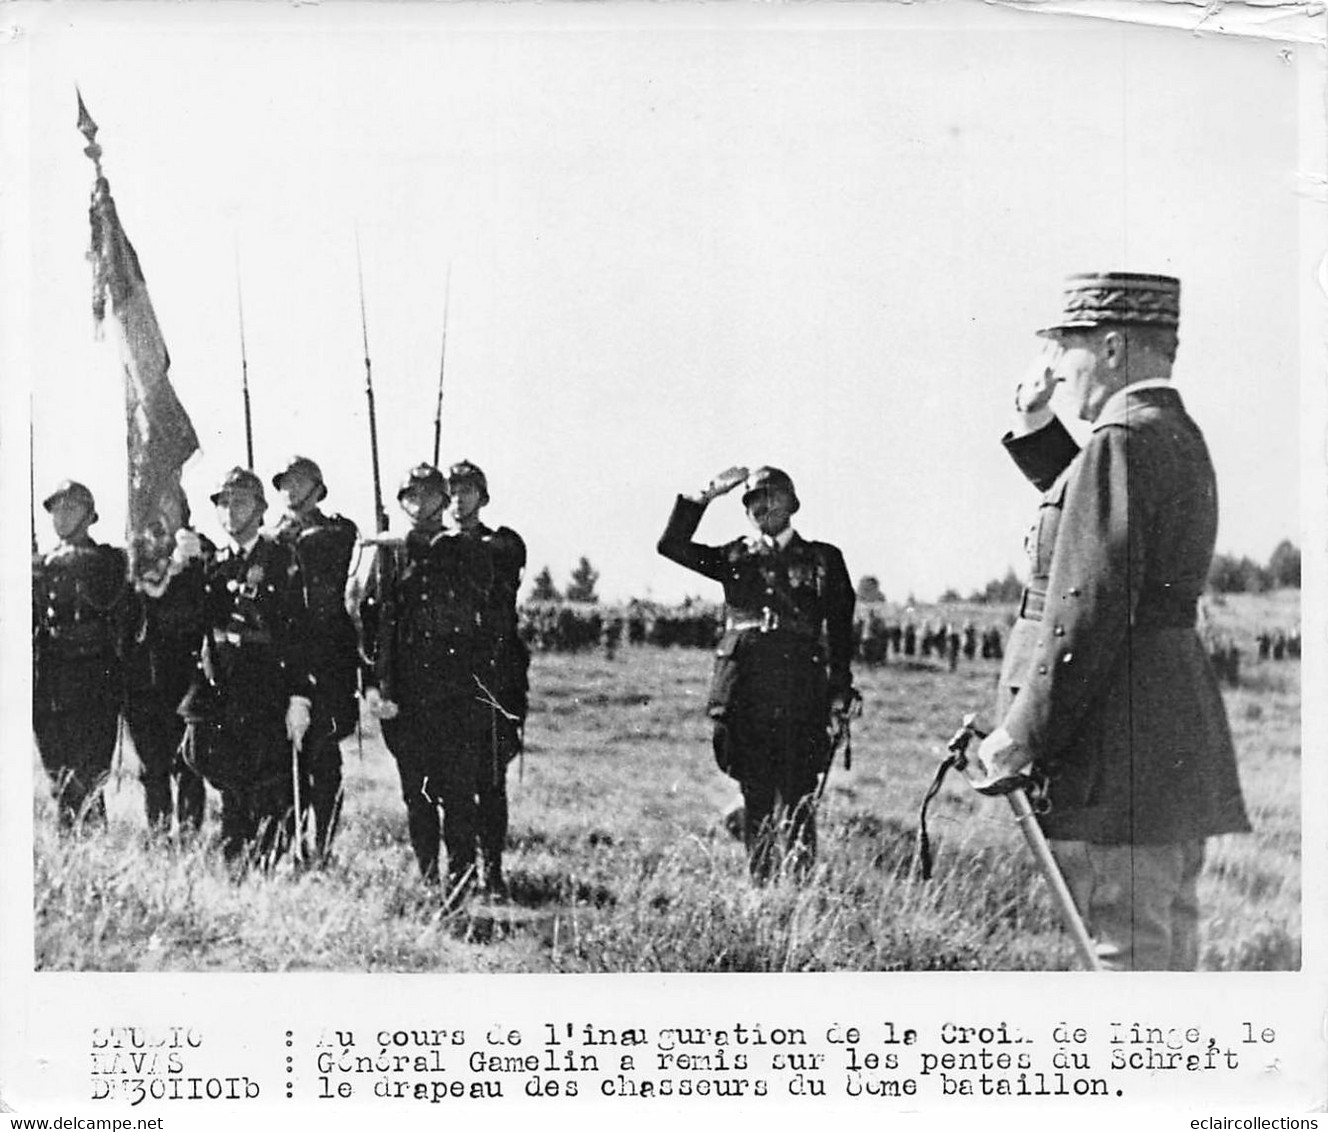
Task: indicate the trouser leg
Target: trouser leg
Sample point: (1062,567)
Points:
(759,830)
(1185,908)
(76,749)
(460,825)
(492,800)
(190,797)
(322,786)
(1139,902)
(155,731)
(418,792)
(237,823)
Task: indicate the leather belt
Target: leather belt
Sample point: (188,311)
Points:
(1181,614)
(241,637)
(770,621)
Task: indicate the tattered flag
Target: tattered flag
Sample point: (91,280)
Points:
(160,436)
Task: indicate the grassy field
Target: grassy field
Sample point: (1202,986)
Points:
(618,860)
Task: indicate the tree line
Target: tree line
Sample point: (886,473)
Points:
(1228,574)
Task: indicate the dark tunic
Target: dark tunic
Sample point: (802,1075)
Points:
(254,660)
(78,609)
(451,600)
(784,655)
(162,651)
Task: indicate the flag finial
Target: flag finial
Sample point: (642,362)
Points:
(88,128)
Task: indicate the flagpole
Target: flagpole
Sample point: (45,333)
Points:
(159,436)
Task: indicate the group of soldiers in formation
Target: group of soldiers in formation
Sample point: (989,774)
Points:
(566,627)
(1109,708)
(243,666)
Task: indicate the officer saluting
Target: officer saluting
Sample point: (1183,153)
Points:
(436,717)
(78,596)
(1107,691)
(324,545)
(782,668)
(251,700)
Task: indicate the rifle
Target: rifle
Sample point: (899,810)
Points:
(442,368)
(385,552)
(32,481)
(244,368)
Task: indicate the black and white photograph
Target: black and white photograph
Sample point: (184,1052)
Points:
(636,560)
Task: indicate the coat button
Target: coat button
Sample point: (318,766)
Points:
(1069,656)
(1042,669)
(1059,630)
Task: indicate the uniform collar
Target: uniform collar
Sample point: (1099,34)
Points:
(243,551)
(778,542)
(1117,407)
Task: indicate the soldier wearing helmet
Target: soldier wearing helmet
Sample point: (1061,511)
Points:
(428,614)
(78,600)
(249,708)
(782,671)
(325,545)
(503,660)
(161,655)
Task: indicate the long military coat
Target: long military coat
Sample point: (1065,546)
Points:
(1106,680)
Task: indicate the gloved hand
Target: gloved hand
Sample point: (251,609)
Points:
(999,765)
(297,720)
(379,707)
(722,483)
(1032,395)
(188,546)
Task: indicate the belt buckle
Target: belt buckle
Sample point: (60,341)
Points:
(769,620)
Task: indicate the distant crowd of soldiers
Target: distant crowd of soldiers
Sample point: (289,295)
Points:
(572,627)
(1269,644)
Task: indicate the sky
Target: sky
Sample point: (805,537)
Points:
(668,239)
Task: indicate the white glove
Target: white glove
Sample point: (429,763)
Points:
(999,763)
(1032,395)
(379,707)
(188,546)
(722,483)
(297,720)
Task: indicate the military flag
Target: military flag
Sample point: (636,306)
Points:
(160,436)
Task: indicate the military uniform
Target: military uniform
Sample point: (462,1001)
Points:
(784,655)
(162,649)
(443,736)
(324,545)
(1105,681)
(254,660)
(442,625)
(78,608)
(502,662)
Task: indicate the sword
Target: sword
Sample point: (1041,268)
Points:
(1026,819)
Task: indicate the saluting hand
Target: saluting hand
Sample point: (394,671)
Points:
(723,483)
(1032,395)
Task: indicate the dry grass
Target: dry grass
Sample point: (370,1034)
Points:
(618,861)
